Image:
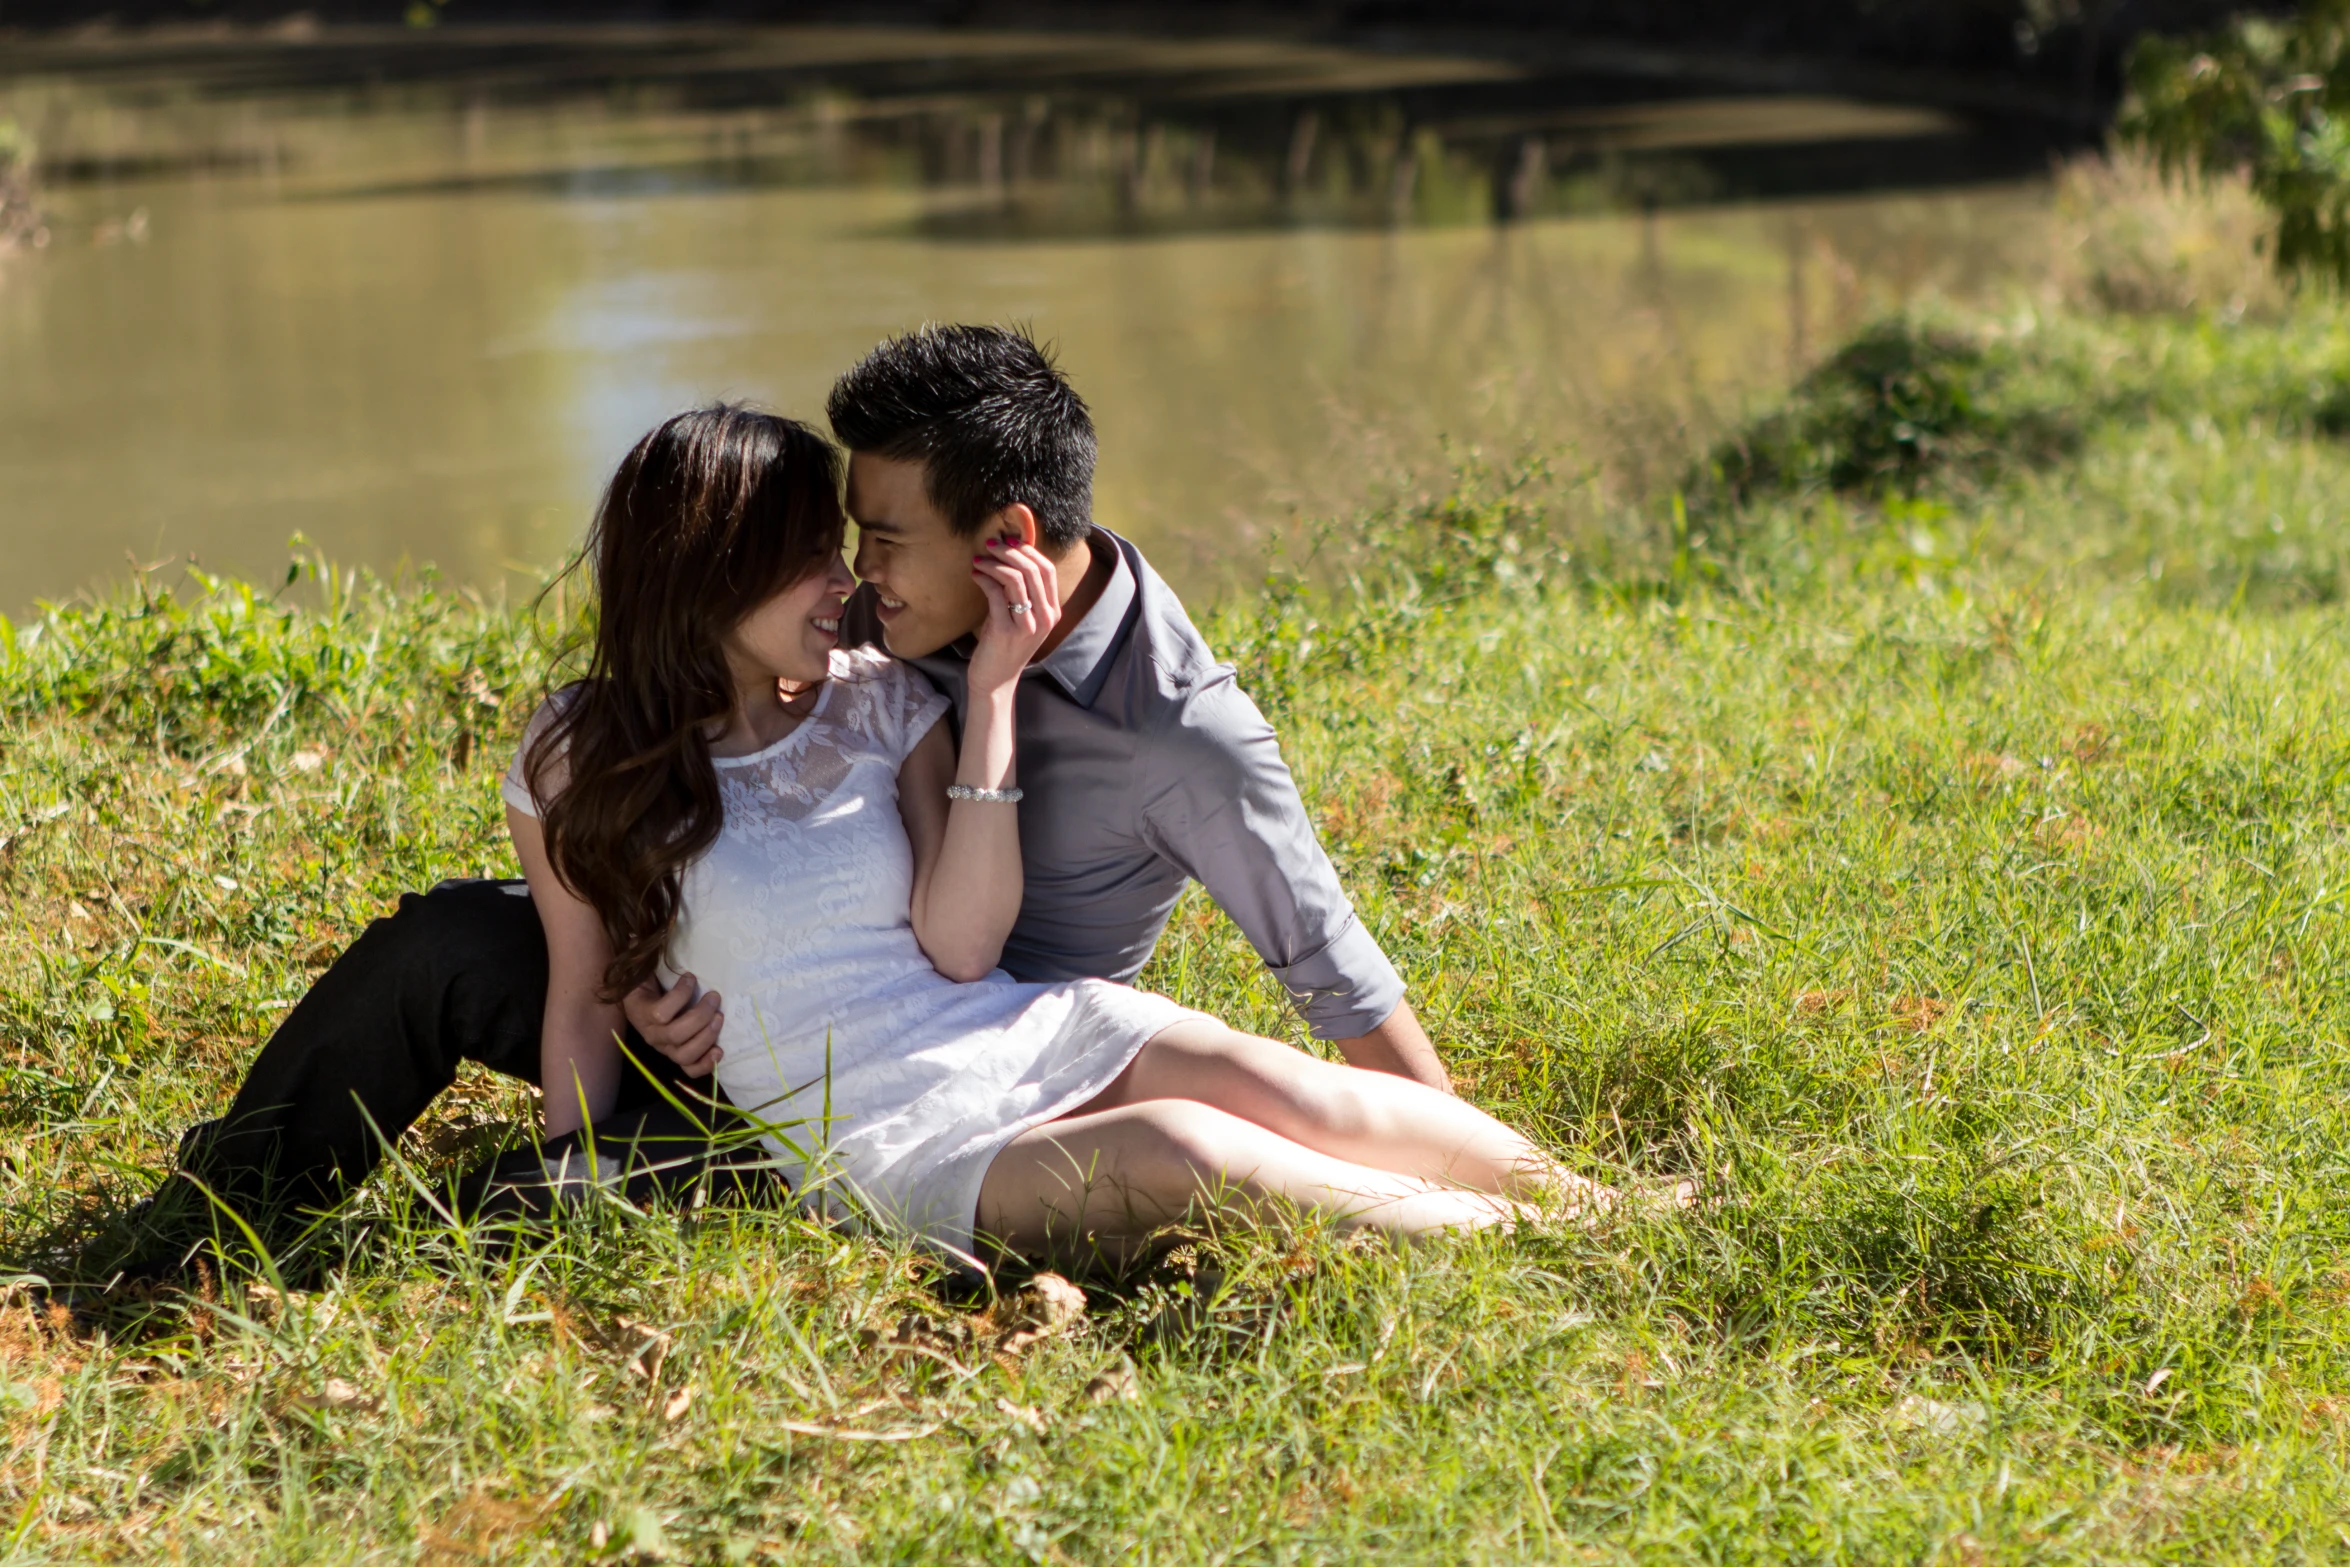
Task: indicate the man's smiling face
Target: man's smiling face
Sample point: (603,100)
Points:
(914,559)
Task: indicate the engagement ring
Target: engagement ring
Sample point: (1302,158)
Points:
(1017,609)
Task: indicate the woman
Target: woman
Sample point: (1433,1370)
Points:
(729,792)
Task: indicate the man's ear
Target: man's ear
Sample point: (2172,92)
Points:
(1018,519)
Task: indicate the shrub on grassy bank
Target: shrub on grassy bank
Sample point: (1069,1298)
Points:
(2194,449)
(1903,404)
(2134,238)
(2197,453)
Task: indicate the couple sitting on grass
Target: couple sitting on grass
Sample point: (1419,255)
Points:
(879,855)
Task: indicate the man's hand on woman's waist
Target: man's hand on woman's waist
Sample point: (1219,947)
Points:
(680,1022)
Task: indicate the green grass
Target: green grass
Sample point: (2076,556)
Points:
(1940,854)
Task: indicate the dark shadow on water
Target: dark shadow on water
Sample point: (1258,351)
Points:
(1051,137)
(1065,210)
(1727,176)
(109,168)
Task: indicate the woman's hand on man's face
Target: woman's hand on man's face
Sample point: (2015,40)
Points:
(1023,592)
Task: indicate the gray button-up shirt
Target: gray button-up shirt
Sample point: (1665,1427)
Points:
(1145,764)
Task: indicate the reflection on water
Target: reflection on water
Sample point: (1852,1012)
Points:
(418,324)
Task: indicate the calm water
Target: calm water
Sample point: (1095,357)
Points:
(418,324)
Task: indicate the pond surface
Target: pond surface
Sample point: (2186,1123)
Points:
(414,318)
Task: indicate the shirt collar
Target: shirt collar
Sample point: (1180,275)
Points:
(1082,662)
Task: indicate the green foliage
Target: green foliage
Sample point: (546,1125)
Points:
(2198,454)
(1904,404)
(1399,565)
(2271,96)
(187,673)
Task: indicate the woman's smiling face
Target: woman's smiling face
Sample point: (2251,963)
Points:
(792,635)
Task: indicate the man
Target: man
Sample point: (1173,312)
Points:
(1144,765)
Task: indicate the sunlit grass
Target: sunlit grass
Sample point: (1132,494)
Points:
(1958,898)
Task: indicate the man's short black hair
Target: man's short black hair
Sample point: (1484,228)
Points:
(988,414)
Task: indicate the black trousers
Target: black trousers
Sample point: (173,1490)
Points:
(455,974)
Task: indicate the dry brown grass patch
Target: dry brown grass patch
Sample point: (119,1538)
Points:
(1919,1013)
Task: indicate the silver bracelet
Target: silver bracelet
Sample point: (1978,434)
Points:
(984,796)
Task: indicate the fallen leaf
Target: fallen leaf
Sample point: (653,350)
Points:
(2259,1296)
(1919,1013)
(925,1335)
(339,1394)
(652,1348)
(679,1402)
(2066,832)
(480,1528)
(2158,1379)
(1028,1415)
(1116,1385)
(306,760)
(1988,766)
(2090,743)
(1940,1417)
(1047,1305)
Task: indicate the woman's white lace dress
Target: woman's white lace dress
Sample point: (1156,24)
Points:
(799,916)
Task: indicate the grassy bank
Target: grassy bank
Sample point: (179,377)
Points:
(1927,829)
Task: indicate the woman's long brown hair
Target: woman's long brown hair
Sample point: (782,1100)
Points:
(711,515)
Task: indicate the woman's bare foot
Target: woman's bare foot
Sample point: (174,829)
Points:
(1579,1198)
(1546,1183)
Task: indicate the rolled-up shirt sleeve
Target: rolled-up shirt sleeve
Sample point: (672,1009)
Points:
(1224,808)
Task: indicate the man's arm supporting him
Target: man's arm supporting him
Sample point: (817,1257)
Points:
(1399,1045)
(1220,802)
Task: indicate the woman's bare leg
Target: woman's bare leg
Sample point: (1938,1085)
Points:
(1372,1119)
(1105,1180)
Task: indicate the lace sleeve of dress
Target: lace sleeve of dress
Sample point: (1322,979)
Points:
(516,784)
(915,705)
